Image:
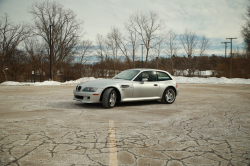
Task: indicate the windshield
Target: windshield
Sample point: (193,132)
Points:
(127,74)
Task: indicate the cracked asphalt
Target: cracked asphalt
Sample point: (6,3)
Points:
(206,125)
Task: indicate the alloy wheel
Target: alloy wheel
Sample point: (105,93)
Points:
(170,95)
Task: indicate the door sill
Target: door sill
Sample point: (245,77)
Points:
(140,99)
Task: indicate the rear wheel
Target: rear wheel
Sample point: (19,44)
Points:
(109,98)
(168,96)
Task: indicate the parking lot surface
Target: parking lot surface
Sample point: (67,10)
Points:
(206,125)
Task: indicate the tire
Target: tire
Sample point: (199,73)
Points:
(109,98)
(168,96)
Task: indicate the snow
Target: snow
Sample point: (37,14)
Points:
(46,83)
(211,80)
(179,79)
(12,83)
(80,80)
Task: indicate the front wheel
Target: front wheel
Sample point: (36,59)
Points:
(168,96)
(109,98)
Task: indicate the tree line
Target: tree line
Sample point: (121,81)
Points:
(26,47)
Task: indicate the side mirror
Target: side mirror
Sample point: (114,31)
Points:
(144,80)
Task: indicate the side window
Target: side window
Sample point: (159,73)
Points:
(163,76)
(145,75)
(150,75)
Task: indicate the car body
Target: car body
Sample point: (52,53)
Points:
(129,85)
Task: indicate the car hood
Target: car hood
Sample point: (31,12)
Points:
(102,83)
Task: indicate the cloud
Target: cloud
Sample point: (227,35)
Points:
(217,20)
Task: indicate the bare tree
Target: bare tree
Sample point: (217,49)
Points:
(193,45)
(11,35)
(84,51)
(245,32)
(123,46)
(101,53)
(66,30)
(112,41)
(157,50)
(171,47)
(126,45)
(36,51)
(132,44)
(148,26)
(17,64)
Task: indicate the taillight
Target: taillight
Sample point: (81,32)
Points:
(176,85)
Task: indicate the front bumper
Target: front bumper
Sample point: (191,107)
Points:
(88,97)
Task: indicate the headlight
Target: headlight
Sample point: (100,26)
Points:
(89,89)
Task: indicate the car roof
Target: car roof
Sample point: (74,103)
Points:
(147,69)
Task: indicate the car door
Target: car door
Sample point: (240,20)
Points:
(149,88)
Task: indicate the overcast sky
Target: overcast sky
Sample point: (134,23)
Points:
(217,19)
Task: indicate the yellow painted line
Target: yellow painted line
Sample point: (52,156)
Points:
(112,145)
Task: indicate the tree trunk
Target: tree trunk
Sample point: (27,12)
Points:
(5,75)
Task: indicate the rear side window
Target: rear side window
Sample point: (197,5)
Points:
(163,76)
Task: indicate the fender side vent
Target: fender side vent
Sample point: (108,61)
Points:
(124,86)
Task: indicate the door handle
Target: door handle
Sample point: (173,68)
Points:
(155,85)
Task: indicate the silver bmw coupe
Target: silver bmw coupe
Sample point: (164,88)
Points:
(129,85)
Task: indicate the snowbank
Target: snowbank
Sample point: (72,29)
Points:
(179,79)
(211,80)
(80,80)
(47,83)
(12,83)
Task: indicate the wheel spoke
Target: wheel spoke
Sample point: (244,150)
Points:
(167,97)
(112,99)
(170,95)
